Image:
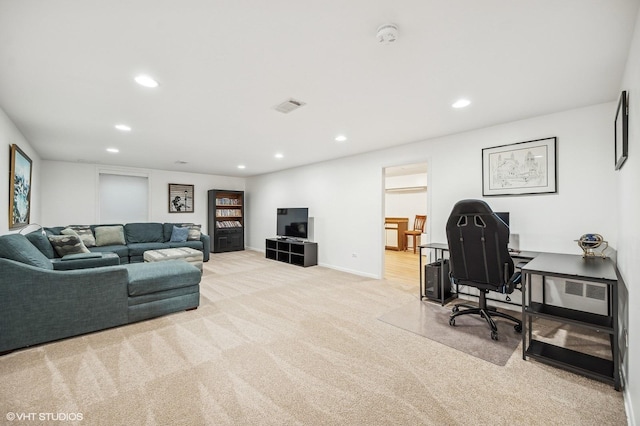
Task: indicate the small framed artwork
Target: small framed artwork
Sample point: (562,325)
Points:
(19,188)
(180,198)
(520,169)
(622,131)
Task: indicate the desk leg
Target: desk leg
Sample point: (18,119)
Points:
(422,284)
(613,302)
(442,279)
(525,327)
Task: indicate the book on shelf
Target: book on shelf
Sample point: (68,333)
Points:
(228,224)
(228,212)
(227,201)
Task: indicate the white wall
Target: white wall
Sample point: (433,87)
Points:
(9,134)
(406,196)
(65,183)
(627,213)
(345,196)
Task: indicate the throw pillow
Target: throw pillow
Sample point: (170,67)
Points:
(194,232)
(41,241)
(179,235)
(109,235)
(67,244)
(17,247)
(85,233)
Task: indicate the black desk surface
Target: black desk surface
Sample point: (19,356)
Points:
(572,265)
(514,253)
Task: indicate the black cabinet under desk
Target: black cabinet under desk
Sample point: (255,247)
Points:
(550,269)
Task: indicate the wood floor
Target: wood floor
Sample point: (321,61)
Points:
(402,266)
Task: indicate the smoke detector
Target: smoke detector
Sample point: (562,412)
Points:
(387,33)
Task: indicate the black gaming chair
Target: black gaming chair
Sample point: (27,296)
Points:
(479,257)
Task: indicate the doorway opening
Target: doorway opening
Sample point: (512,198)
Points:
(405,197)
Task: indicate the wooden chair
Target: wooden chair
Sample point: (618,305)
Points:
(418,229)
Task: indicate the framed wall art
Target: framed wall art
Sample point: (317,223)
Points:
(19,188)
(521,168)
(180,198)
(621,134)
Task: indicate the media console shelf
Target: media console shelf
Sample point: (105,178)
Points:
(299,253)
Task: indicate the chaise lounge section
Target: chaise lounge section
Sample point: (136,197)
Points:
(39,304)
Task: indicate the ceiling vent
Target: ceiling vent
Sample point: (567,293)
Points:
(289,105)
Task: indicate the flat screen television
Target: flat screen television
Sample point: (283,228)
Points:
(293,222)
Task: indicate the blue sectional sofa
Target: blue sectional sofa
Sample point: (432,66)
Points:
(41,304)
(140,237)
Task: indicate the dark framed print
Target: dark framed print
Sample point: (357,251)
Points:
(180,198)
(622,130)
(19,188)
(520,169)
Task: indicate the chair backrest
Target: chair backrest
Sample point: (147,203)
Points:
(478,240)
(418,225)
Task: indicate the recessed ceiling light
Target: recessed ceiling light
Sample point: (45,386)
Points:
(123,127)
(146,81)
(113,150)
(341,138)
(461,103)
(278,155)
(241,166)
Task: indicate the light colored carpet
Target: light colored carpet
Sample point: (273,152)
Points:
(276,344)
(471,334)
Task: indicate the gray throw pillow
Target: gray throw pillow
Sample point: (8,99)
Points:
(109,235)
(42,243)
(179,235)
(67,244)
(194,233)
(85,234)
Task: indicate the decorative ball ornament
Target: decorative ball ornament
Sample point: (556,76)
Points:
(590,242)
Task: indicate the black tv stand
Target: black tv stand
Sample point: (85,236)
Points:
(295,252)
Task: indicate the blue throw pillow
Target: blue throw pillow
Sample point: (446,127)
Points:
(179,235)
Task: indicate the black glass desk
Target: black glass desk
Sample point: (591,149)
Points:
(441,248)
(575,267)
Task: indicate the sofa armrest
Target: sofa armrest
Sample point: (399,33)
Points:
(39,305)
(206,246)
(89,260)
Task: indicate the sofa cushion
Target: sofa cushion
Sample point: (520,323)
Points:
(85,233)
(179,234)
(109,235)
(146,278)
(17,247)
(137,249)
(54,230)
(67,244)
(40,240)
(121,250)
(192,244)
(149,232)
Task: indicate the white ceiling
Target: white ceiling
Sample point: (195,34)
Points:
(67,68)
